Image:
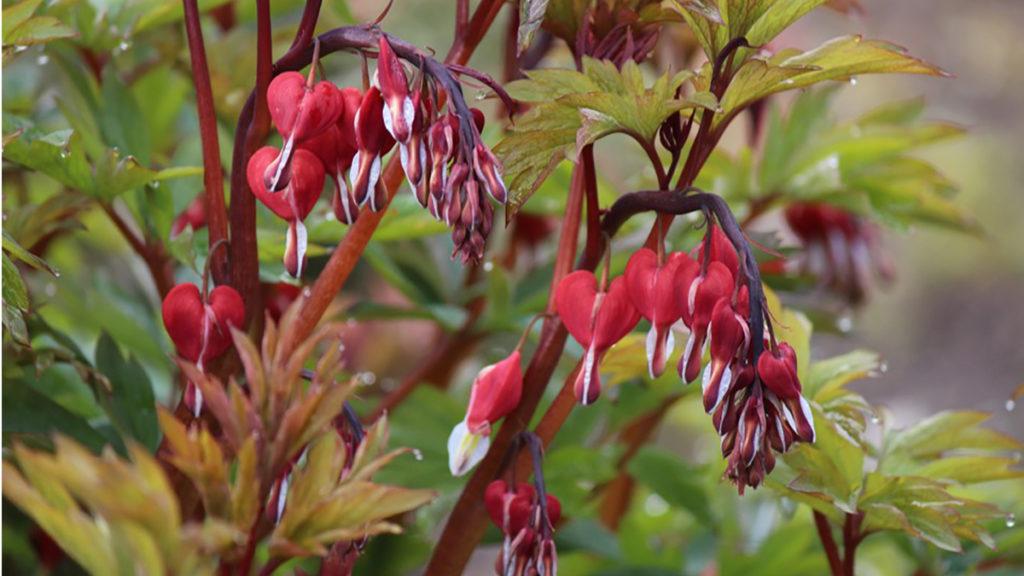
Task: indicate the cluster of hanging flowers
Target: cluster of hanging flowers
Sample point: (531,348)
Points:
(751,389)
(526,515)
(344,134)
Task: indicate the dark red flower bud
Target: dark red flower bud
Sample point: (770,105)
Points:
(414,153)
(750,430)
(488,170)
(722,251)
(655,292)
(372,141)
(729,337)
(453,193)
(597,320)
(277,297)
(394,87)
(703,294)
(194,215)
(778,371)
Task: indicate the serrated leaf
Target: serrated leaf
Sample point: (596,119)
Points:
(776,18)
(18,251)
(574,109)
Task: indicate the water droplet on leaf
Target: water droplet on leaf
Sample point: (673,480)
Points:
(367,378)
(417,454)
(853,81)
(1011,520)
(844,323)
(1010,405)
(42,59)
(488,266)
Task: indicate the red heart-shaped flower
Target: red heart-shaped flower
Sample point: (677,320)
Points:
(659,294)
(300,111)
(200,330)
(305,182)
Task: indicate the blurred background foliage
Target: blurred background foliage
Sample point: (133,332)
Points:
(99,95)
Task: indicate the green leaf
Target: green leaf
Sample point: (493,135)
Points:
(16,14)
(673,480)
(578,108)
(776,18)
(26,411)
(14,291)
(826,377)
(531,15)
(18,251)
(130,402)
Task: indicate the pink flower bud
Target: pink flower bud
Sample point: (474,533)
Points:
(654,291)
(300,112)
(394,86)
(729,337)
(495,393)
(488,170)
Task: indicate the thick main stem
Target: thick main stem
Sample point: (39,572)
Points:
(829,543)
(213,173)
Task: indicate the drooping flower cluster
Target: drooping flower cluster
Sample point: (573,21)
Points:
(200,324)
(840,249)
(344,134)
(527,521)
(752,392)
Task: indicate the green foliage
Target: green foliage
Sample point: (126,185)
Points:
(573,109)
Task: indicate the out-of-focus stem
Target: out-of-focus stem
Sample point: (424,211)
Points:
(213,173)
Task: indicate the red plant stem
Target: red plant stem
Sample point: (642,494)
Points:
(213,173)
(159,264)
(829,543)
(468,520)
(570,222)
(851,538)
(252,129)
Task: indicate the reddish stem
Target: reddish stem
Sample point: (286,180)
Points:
(213,173)
(159,264)
(829,543)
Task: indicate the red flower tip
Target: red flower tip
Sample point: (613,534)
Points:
(729,336)
(722,251)
(488,170)
(495,393)
(394,87)
(299,112)
(704,293)
(778,371)
(655,292)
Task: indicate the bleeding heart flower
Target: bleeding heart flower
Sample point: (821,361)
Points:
(496,392)
(730,336)
(596,320)
(655,292)
(777,369)
(704,292)
(305,181)
(722,251)
(201,331)
(372,141)
(300,110)
(394,86)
